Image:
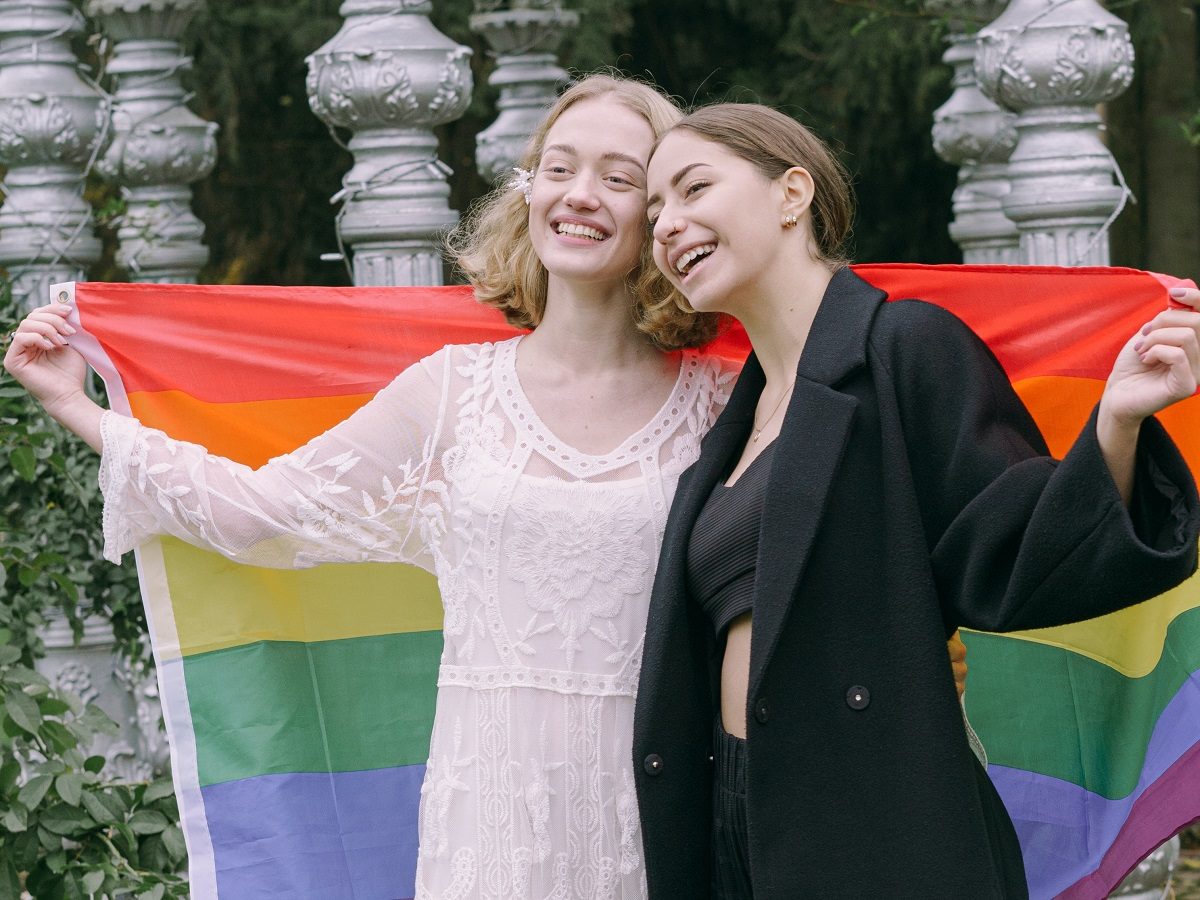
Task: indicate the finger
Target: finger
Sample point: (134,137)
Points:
(1175,359)
(1181,296)
(31,343)
(58,322)
(47,330)
(1168,318)
(1184,338)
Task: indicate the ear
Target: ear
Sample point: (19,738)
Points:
(798,189)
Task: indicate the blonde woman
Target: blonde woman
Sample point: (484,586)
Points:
(533,476)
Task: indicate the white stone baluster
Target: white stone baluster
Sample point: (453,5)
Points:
(91,670)
(389,77)
(524,34)
(1053,61)
(159,146)
(973,133)
(52,123)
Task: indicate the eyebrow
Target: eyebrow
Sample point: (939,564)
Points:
(675,179)
(611,156)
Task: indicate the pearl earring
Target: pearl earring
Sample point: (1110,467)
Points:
(789,221)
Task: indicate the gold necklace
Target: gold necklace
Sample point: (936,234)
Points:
(778,403)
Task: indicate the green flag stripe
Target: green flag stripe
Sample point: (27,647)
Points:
(1026,721)
(347,705)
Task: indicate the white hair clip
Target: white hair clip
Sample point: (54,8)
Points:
(523,182)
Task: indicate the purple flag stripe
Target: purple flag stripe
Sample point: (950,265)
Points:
(1048,812)
(339,836)
(1169,803)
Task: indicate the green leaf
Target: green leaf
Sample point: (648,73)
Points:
(53,706)
(125,841)
(48,840)
(23,710)
(10,884)
(155,893)
(25,850)
(156,790)
(148,821)
(8,775)
(94,764)
(23,462)
(68,586)
(61,736)
(92,881)
(34,790)
(8,653)
(65,820)
(15,819)
(102,807)
(69,787)
(56,862)
(173,840)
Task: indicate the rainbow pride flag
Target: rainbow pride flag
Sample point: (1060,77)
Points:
(299,704)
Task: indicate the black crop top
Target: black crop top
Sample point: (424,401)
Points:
(723,549)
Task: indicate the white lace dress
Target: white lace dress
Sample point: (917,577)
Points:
(544,557)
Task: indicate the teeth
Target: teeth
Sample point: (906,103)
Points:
(684,262)
(580,231)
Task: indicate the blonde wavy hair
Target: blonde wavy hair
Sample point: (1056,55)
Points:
(493,250)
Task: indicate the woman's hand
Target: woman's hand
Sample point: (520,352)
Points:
(40,359)
(1158,366)
(958,662)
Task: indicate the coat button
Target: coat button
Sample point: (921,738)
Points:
(858,697)
(760,710)
(653,764)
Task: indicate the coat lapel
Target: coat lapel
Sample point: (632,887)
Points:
(807,454)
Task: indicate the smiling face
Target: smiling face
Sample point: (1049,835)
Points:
(715,220)
(587,210)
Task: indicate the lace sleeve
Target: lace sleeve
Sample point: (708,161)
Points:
(367,489)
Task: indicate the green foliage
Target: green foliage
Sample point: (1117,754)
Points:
(64,831)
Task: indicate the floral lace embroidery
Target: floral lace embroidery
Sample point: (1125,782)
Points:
(579,561)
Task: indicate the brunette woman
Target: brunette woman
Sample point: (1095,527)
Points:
(872,484)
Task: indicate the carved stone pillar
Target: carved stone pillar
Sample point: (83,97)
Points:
(389,77)
(92,671)
(1052,61)
(159,146)
(524,34)
(973,133)
(51,125)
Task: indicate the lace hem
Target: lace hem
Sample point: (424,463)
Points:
(118,434)
(556,680)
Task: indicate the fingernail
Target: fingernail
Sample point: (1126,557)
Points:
(1146,328)
(1178,292)
(1138,346)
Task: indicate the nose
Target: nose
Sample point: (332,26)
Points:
(582,195)
(666,228)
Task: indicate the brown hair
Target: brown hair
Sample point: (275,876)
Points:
(773,143)
(492,246)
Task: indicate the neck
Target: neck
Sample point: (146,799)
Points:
(779,316)
(588,328)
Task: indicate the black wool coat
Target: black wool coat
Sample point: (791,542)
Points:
(910,493)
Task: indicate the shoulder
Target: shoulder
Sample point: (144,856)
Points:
(912,334)
(911,319)
(468,360)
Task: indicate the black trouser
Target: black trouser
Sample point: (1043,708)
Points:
(730,846)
